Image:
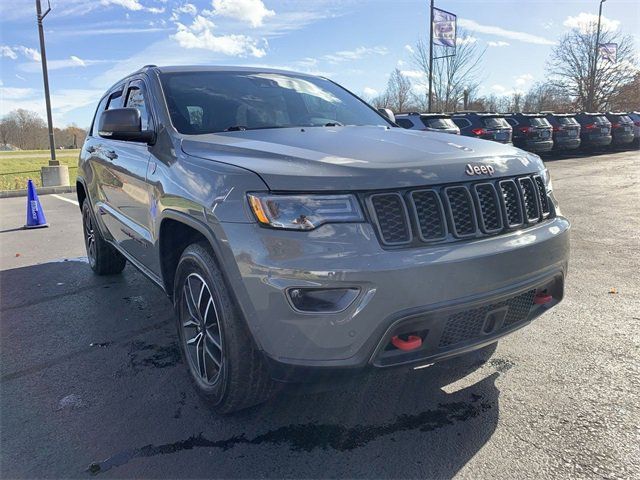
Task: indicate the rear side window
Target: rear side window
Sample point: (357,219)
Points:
(136,99)
(404,122)
(495,122)
(600,119)
(441,123)
(462,122)
(625,119)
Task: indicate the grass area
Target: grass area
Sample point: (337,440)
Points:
(18,166)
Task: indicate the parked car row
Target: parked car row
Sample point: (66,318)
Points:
(539,132)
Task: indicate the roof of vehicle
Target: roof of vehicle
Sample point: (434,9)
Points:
(427,115)
(219,68)
(525,114)
(472,112)
(559,114)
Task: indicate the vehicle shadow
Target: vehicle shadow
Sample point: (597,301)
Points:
(103,391)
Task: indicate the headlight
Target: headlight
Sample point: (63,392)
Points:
(304,212)
(546,176)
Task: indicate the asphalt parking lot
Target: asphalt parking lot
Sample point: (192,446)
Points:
(92,383)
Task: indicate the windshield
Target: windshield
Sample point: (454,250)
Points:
(495,122)
(539,122)
(208,102)
(439,123)
(600,119)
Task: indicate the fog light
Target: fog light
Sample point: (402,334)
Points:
(322,300)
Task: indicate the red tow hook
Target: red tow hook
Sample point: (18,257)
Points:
(542,299)
(411,343)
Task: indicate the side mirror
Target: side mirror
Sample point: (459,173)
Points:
(123,124)
(385,112)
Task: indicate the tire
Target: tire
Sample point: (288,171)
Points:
(103,258)
(224,363)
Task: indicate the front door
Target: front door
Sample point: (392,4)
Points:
(126,208)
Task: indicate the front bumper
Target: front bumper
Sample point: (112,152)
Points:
(395,285)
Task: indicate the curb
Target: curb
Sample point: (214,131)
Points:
(41,191)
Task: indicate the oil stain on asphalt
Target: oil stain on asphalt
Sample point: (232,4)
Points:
(307,437)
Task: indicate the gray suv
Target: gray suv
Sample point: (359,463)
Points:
(298,232)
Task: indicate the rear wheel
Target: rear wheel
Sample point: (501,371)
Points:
(225,365)
(103,258)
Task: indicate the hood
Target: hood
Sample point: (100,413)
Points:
(357,158)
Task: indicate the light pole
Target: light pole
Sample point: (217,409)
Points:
(54,174)
(592,89)
(430,54)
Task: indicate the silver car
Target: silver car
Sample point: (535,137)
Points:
(298,232)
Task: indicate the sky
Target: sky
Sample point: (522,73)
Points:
(91,44)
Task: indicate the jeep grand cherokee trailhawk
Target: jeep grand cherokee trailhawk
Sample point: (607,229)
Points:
(298,231)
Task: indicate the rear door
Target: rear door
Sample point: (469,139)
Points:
(540,128)
(126,209)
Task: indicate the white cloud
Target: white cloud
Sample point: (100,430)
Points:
(200,35)
(8,52)
(63,101)
(501,32)
(251,11)
(155,10)
(499,89)
(408,48)
(586,22)
(414,74)
(133,5)
(71,62)
(356,54)
(370,92)
(523,79)
(187,8)
(30,53)
(499,43)
(465,40)
(109,31)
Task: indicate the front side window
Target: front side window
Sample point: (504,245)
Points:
(96,120)
(210,102)
(135,99)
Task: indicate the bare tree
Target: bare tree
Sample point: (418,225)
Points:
(572,61)
(399,91)
(27,130)
(544,96)
(453,74)
(628,97)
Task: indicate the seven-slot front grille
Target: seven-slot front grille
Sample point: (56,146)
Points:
(451,212)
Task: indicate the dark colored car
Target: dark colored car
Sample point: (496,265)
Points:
(595,129)
(484,125)
(531,131)
(566,130)
(298,232)
(433,122)
(621,128)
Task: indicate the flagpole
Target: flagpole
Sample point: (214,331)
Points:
(592,90)
(430,53)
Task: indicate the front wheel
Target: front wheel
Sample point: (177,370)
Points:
(103,258)
(225,365)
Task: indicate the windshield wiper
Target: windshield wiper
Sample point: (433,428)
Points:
(334,124)
(236,128)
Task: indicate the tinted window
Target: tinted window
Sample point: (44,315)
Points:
(495,122)
(461,122)
(404,122)
(566,120)
(539,122)
(115,100)
(600,119)
(442,123)
(96,120)
(625,119)
(253,100)
(512,121)
(135,99)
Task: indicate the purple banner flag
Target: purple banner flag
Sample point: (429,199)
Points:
(444,28)
(608,51)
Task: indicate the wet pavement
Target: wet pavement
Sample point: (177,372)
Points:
(92,384)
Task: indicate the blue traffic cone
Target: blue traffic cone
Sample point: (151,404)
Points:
(35,215)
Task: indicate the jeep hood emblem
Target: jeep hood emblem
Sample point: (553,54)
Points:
(479,169)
